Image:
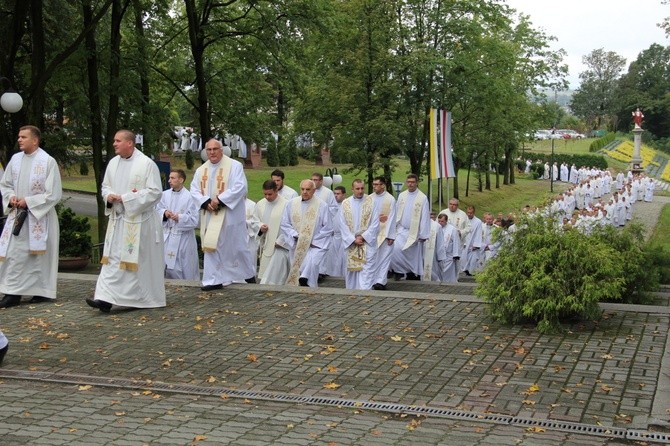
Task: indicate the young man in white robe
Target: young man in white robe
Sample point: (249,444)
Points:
(219,188)
(327,196)
(472,244)
(384,210)
(253,228)
(489,246)
(649,190)
(284,190)
(412,230)
(336,261)
(307,229)
(179,214)
(132,273)
(434,254)
(274,263)
(359,229)
(452,249)
(31,188)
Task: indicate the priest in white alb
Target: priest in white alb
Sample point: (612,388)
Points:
(219,188)
(253,228)
(434,254)
(307,229)
(132,258)
(31,188)
(412,230)
(359,229)
(269,211)
(179,214)
(452,248)
(472,244)
(384,210)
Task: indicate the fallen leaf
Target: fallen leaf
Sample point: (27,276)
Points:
(528,402)
(44,346)
(332,369)
(396,338)
(252,358)
(199,438)
(211,379)
(86,387)
(119,414)
(534,388)
(331,385)
(536,429)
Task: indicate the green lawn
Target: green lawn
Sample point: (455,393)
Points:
(568,146)
(661,234)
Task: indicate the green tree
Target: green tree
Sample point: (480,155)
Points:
(594,100)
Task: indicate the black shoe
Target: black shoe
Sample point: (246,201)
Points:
(303,281)
(218,286)
(101,305)
(467,273)
(321,277)
(378,286)
(3,352)
(250,280)
(10,300)
(412,276)
(39,300)
(398,276)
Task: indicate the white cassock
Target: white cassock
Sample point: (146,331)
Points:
(226,263)
(564,172)
(253,226)
(620,213)
(336,262)
(181,248)
(412,225)
(352,211)
(472,244)
(649,190)
(452,249)
(132,270)
(434,254)
(36,178)
(270,214)
(384,208)
(327,196)
(307,262)
(287,192)
(458,219)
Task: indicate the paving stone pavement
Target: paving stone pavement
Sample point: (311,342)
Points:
(74,375)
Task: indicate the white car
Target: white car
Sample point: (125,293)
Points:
(541,135)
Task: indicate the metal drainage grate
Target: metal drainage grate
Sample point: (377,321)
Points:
(561,426)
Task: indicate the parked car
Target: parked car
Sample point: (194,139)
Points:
(541,135)
(554,134)
(570,134)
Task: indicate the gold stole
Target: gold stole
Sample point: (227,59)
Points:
(416,216)
(304,225)
(387,201)
(356,254)
(210,230)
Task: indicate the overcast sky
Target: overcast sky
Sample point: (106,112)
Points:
(626,27)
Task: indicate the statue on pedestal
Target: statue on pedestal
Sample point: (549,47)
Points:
(637,118)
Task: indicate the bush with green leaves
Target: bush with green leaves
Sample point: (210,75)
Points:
(75,240)
(546,274)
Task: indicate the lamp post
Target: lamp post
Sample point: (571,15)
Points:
(332,178)
(551,163)
(10,101)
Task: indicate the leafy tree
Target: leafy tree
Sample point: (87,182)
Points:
(647,85)
(594,99)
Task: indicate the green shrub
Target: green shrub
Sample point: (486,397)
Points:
(602,142)
(188,159)
(546,275)
(83,168)
(75,240)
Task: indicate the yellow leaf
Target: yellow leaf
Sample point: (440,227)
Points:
(224,396)
(534,388)
(44,346)
(211,379)
(252,358)
(536,429)
(197,327)
(199,438)
(467,350)
(331,385)
(528,402)
(332,369)
(72,429)
(119,414)
(396,338)
(86,387)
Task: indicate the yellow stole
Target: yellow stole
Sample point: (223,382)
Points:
(356,254)
(304,225)
(210,230)
(387,201)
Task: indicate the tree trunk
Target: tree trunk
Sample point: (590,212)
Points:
(37,63)
(114,76)
(95,114)
(151,143)
(196,38)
